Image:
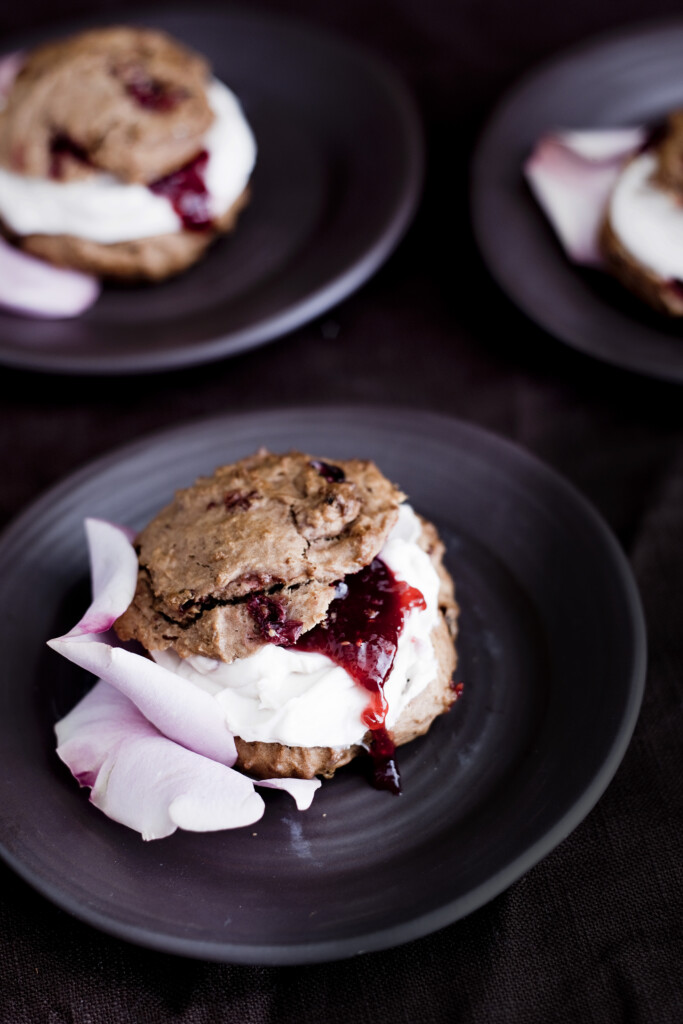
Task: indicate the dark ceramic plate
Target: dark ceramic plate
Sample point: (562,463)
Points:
(336,183)
(552,656)
(629,77)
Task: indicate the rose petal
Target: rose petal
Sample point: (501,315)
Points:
(572,175)
(602,145)
(92,728)
(303,790)
(114,574)
(144,780)
(180,710)
(153,747)
(38,289)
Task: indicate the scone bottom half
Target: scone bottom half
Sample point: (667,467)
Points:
(283,550)
(131,103)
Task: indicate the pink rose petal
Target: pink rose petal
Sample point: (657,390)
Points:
(303,790)
(144,780)
(572,175)
(114,574)
(178,708)
(35,288)
(154,748)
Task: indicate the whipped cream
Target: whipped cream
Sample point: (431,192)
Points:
(104,209)
(648,220)
(304,699)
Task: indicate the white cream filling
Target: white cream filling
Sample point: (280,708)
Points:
(305,700)
(103,209)
(648,220)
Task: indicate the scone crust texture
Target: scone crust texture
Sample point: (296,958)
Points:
(278,530)
(132,100)
(273,760)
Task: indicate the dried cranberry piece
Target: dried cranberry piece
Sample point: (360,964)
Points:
(237,499)
(151,93)
(333,474)
(271,618)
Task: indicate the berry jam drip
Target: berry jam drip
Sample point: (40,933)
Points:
(385,774)
(333,474)
(187,193)
(361,633)
(61,149)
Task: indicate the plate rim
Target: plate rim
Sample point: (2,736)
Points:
(563,58)
(452,911)
(345,282)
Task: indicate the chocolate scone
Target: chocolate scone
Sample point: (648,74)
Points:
(120,155)
(641,239)
(252,574)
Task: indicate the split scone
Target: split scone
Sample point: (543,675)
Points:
(120,154)
(311,601)
(642,234)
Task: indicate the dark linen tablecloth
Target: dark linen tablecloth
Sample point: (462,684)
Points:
(593,932)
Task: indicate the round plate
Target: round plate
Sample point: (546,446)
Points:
(336,183)
(551,654)
(626,78)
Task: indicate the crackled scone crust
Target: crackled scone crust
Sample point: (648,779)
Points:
(145,259)
(272,760)
(268,527)
(87,89)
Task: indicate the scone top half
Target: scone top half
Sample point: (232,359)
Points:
(120,154)
(129,101)
(250,555)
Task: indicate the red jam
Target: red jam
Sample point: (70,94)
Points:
(361,633)
(188,194)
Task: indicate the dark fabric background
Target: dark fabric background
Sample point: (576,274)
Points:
(593,933)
